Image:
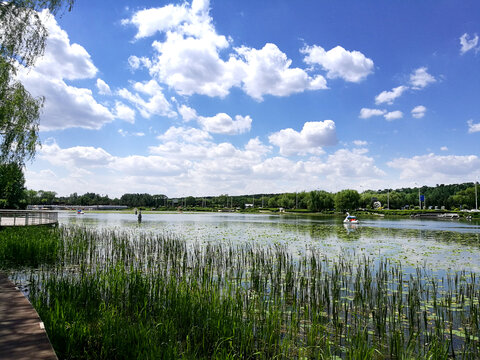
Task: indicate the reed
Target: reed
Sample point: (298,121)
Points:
(27,247)
(124,295)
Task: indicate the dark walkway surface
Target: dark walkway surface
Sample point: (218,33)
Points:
(21,330)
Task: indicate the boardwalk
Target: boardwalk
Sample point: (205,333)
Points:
(21,331)
(27,217)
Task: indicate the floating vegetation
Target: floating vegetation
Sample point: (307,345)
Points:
(123,295)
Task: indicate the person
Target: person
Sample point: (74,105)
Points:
(139,216)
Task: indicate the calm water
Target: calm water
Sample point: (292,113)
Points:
(440,245)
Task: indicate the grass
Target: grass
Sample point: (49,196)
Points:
(28,247)
(118,295)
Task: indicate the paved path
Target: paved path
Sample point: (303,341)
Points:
(21,330)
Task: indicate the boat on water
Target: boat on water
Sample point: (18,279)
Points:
(80,212)
(350,219)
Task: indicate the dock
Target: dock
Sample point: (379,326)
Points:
(27,217)
(22,334)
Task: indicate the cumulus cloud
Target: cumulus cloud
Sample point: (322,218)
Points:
(393,115)
(268,71)
(224,124)
(444,148)
(178,134)
(310,140)
(136,62)
(437,168)
(74,157)
(103,88)
(187,113)
(187,57)
(188,158)
(420,78)
(66,106)
(155,104)
(220,123)
(346,164)
(360,143)
(472,127)
(123,112)
(389,96)
(366,113)
(418,112)
(63,60)
(351,66)
(468,44)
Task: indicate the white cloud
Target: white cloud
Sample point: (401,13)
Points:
(389,96)
(366,113)
(123,112)
(63,60)
(156,104)
(351,66)
(345,164)
(221,123)
(66,106)
(126,133)
(393,115)
(135,62)
(468,44)
(437,168)
(150,21)
(444,148)
(185,135)
(74,157)
(267,72)
(418,112)
(420,78)
(311,139)
(136,165)
(188,60)
(187,113)
(103,88)
(360,143)
(224,124)
(186,158)
(472,127)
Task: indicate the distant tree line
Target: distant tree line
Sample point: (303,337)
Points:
(455,196)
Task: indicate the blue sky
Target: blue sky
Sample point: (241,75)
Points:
(233,97)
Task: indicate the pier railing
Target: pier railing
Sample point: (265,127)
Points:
(27,217)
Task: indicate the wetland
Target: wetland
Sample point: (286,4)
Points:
(252,286)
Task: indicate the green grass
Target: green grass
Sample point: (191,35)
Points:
(118,295)
(29,247)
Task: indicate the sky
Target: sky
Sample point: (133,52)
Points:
(236,97)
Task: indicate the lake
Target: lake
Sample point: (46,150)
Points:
(436,244)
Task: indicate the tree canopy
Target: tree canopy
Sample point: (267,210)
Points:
(12,186)
(347,200)
(22,40)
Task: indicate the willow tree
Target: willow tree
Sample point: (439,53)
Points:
(22,41)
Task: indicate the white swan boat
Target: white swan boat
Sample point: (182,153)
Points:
(350,219)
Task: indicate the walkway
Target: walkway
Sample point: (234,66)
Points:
(27,217)
(21,331)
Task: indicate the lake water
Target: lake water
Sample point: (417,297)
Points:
(439,245)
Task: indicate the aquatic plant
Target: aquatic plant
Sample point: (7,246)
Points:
(115,294)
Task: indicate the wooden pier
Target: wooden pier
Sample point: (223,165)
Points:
(27,217)
(22,334)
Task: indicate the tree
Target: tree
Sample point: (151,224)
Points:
(22,41)
(12,186)
(347,200)
(320,200)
